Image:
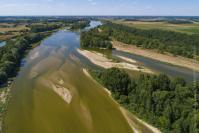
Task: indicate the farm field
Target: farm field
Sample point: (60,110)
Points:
(192,28)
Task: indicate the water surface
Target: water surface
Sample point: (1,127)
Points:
(2,44)
(36,108)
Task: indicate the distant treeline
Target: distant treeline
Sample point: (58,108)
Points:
(170,104)
(44,27)
(12,53)
(95,39)
(179,22)
(162,40)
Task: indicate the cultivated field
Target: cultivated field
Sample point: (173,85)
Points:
(192,28)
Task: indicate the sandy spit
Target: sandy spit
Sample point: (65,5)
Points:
(127,59)
(102,61)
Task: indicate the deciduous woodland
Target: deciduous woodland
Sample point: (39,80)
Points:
(170,105)
(162,40)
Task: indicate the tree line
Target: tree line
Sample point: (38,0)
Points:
(172,105)
(44,27)
(162,40)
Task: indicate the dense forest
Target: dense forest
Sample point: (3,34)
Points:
(13,52)
(170,104)
(95,39)
(165,41)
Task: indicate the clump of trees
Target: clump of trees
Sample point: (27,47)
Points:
(95,39)
(162,40)
(170,104)
(12,53)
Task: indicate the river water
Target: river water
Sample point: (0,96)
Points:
(36,108)
(2,44)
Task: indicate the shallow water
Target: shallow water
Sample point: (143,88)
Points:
(36,108)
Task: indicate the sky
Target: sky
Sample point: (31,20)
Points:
(100,7)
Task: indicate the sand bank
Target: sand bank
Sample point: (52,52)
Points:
(64,93)
(102,61)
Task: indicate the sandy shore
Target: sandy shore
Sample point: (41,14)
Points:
(102,61)
(179,61)
(135,122)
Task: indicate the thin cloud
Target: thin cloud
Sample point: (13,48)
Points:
(92,2)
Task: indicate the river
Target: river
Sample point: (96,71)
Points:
(35,107)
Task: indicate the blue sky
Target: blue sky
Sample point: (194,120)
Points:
(99,7)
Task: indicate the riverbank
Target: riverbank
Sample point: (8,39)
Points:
(137,125)
(102,61)
(175,60)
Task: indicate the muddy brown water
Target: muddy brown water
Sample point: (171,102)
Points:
(36,108)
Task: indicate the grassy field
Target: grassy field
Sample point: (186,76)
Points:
(192,28)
